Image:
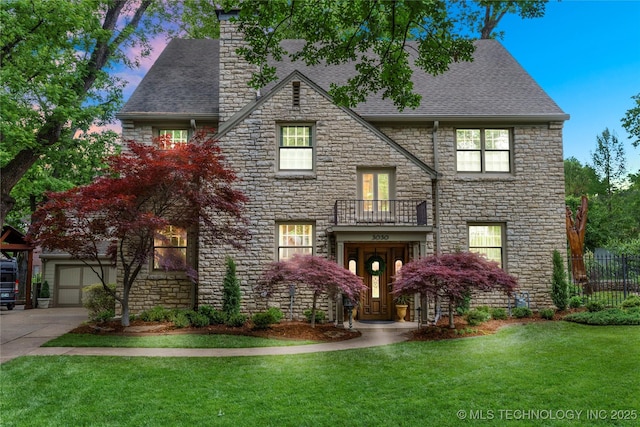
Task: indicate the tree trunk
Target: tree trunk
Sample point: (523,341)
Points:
(10,174)
(313,311)
(575,234)
(451,309)
(125,304)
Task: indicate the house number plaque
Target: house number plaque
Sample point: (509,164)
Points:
(380,237)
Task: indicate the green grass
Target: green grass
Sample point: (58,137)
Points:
(170,341)
(546,366)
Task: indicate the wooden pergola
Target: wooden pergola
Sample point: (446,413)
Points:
(13,241)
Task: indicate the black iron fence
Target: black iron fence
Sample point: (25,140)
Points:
(607,277)
(392,212)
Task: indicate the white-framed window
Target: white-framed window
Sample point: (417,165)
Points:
(170,138)
(488,240)
(295,148)
(295,238)
(483,150)
(170,249)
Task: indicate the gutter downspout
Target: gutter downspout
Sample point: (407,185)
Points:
(436,189)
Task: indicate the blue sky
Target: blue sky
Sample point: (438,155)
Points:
(585,55)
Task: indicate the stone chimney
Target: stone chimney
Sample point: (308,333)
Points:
(235,72)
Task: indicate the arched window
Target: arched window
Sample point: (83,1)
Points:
(353,266)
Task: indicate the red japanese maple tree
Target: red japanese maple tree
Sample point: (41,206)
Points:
(318,274)
(144,189)
(452,276)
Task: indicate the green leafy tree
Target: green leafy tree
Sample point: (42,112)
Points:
(56,59)
(373,34)
(559,285)
(231,296)
(631,121)
(581,179)
(609,162)
(61,168)
(483,16)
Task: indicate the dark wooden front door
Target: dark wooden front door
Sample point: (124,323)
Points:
(377,302)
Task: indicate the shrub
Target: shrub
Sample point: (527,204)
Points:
(199,320)
(319,315)
(262,320)
(216,317)
(44,291)
(631,301)
(521,312)
(499,313)
(633,310)
(547,313)
(97,300)
(610,316)
(476,316)
(594,306)
(236,320)
(575,301)
(180,318)
(277,314)
(155,314)
(463,304)
(104,316)
(231,290)
(559,286)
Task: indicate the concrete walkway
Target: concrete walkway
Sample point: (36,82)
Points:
(24,331)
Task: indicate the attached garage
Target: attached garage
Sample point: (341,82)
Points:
(70,279)
(67,277)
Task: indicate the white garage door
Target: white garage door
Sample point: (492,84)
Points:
(70,281)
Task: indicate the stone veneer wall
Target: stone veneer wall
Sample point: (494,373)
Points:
(342,145)
(529,202)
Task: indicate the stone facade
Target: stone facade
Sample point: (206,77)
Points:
(527,202)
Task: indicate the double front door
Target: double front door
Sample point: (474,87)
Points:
(376,264)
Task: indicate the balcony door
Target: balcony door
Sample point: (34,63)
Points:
(376,189)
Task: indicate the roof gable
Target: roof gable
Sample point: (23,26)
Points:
(296,75)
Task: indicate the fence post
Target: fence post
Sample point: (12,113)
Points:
(625,271)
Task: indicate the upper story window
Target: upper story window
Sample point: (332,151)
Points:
(295,149)
(169,138)
(294,239)
(483,150)
(487,239)
(170,249)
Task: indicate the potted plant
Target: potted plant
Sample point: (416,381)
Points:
(44,296)
(402,303)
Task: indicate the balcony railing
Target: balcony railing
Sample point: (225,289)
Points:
(380,212)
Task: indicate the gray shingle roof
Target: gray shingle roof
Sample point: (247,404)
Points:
(184,82)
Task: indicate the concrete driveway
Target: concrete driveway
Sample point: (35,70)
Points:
(22,331)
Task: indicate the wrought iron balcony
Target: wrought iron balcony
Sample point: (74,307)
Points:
(380,212)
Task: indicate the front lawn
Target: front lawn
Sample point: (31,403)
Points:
(170,341)
(546,373)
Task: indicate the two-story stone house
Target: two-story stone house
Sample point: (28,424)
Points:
(478,166)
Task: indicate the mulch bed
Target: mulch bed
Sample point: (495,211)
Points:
(441,331)
(284,330)
(303,331)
